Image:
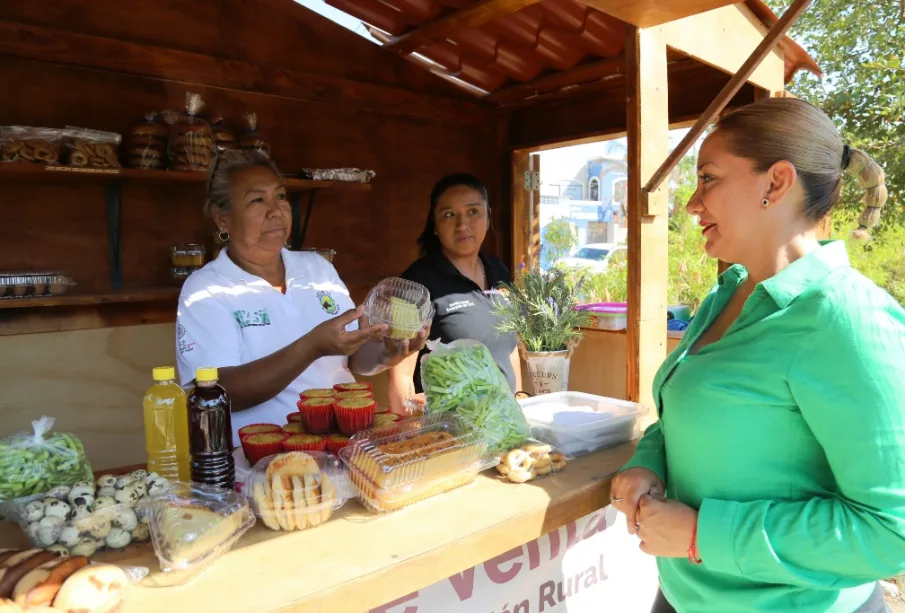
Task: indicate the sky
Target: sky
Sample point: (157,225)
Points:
(348,22)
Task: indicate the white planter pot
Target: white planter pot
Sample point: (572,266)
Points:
(548,371)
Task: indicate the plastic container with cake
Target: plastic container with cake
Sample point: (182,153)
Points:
(423,457)
(193,525)
(297,490)
(404,306)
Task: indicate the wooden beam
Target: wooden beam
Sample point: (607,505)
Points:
(595,71)
(648,142)
(525,209)
(729,91)
(477,14)
(648,13)
(736,33)
(98,53)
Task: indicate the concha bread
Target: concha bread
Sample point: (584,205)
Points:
(99,588)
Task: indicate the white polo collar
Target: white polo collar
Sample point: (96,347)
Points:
(225,267)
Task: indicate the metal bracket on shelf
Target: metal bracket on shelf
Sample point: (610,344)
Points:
(300,228)
(114,201)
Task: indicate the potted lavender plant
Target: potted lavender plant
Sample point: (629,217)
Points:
(540,308)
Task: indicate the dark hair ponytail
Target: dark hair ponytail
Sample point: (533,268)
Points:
(429,241)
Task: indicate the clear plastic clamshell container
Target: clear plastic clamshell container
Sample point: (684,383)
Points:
(193,525)
(404,306)
(34,284)
(84,517)
(579,423)
(297,490)
(397,465)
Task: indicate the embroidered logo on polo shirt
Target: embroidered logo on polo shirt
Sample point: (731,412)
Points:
(328,303)
(253,319)
(460,304)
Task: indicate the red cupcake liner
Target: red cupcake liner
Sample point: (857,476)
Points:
(334,446)
(318,419)
(352,387)
(318,446)
(352,420)
(255,452)
(270,428)
(294,417)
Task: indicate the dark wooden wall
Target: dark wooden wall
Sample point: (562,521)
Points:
(324,98)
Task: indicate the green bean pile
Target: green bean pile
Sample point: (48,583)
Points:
(466,381)
(32,464)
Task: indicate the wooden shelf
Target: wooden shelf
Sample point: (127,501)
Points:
(154,294)
(21,171)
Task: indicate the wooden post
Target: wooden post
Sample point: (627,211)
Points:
(648,145)
(525,209)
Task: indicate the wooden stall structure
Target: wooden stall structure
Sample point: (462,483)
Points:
(503,79)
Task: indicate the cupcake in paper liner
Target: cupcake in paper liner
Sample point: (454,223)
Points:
(318,393)
(355,386)
(304,442)
(335,442)
(294,418)
(354,394)
(294,427)
(257,429)
(263,444)
(317,414)
(354,414)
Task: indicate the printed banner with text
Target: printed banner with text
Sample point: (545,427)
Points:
(591,565)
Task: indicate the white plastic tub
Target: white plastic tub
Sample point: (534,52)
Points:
(580,423)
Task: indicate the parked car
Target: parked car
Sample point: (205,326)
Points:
(595,256)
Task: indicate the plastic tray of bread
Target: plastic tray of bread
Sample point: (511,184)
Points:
(297,490)
(393,467)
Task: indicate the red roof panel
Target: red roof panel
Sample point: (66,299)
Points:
(543,38)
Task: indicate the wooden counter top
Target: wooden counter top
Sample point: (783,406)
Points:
(358,560)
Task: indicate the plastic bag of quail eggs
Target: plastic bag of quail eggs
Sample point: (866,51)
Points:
(88,516)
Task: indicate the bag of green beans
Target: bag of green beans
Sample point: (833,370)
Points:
(462,378)
(35,462)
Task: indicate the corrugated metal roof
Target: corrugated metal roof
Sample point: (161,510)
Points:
(538,41)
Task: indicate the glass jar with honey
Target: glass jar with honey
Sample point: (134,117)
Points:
(187,256)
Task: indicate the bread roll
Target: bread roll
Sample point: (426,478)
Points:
(40,586)
(98,588)
(18,566)
(8,606)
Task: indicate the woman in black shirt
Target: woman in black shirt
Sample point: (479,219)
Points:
(461,280)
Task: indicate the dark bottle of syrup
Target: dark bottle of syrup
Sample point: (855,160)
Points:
(210,432)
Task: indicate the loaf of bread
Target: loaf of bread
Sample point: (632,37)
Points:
(40,586)
(99,588)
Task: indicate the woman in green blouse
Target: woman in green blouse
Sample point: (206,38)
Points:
(775,478)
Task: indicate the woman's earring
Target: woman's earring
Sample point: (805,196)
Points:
(765,203)
(223,235)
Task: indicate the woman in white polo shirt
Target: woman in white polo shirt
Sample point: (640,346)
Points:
(274,322)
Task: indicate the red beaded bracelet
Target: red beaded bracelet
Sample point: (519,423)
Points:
(693,556)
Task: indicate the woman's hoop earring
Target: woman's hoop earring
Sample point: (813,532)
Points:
(765,203)
(223,235)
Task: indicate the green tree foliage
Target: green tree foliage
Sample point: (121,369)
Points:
(860,47)
(559,239)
